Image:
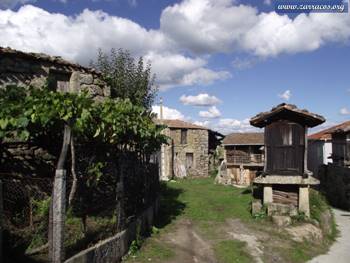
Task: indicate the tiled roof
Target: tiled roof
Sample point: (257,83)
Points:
(326,134)
(244,139)
(179,124)
(287,111)
(42,57)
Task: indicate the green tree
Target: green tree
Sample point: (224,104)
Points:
(128,78)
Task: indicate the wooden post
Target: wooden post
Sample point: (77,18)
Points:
(56,235)
(59,208)
(1,221)
(305,172)
(265,151)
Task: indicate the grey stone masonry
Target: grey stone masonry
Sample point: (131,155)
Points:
(34,69)
(196,144)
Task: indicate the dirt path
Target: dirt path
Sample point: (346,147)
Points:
(340,250)
(190,247)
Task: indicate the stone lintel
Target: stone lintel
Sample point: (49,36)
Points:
(286,179)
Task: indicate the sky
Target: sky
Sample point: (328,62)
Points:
(217,62)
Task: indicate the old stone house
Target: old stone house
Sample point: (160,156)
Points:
(23,69)
(36,69)
(188,150)
(244,157)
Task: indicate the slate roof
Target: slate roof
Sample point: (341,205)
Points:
(41,57)
(287,111)
(253,138)
(326,134)
(179,124)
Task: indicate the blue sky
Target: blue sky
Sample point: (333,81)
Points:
(218,62)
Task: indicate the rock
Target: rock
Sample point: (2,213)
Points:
(281,209)
(256,206)
(307,232)
(281,220)
(326,222)
(86,79)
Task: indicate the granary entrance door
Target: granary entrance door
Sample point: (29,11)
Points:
(285,148)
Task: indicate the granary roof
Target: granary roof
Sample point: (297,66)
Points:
(287,112)
(180,124)
(326,134)
(41,57)
(252,138)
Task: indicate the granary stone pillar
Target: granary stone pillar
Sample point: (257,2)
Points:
(304,205)
(267,194)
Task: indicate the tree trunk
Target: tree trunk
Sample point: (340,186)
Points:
(58,201)
(74,175)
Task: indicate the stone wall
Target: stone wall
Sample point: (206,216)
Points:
(26,159)
(33,69)
(114,248)
(335,183)
(197,144)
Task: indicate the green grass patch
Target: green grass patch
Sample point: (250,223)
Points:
(232,251)
(151,251)
(205,201)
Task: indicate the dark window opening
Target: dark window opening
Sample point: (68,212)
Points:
(59,81)
(189,160)
(183,136)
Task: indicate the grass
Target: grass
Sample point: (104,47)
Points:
(208,206)
(205,201)
(319,206)
(151,251)
(232,251)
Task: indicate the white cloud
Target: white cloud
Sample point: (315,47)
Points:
(285,95)
(203,123)
(244,63)
(209,26)
(211,113)
(34,29)
(267,2)
(344,111)
(178,70)
(168,113)
(202,99)
(4,4)
(187,29)
(305,33)
(228,125)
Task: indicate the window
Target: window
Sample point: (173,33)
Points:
(183,136)
(189,160)
(287,135)
(59,81)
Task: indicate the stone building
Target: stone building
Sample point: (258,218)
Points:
(36,69)
(22,69)
(244,157)
(188,150)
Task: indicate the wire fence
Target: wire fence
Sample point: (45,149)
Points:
(26,198)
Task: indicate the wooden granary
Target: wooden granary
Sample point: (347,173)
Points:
(286,179)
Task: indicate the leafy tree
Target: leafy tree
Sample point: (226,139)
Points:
(128,78)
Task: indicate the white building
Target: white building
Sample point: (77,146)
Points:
(320,147)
